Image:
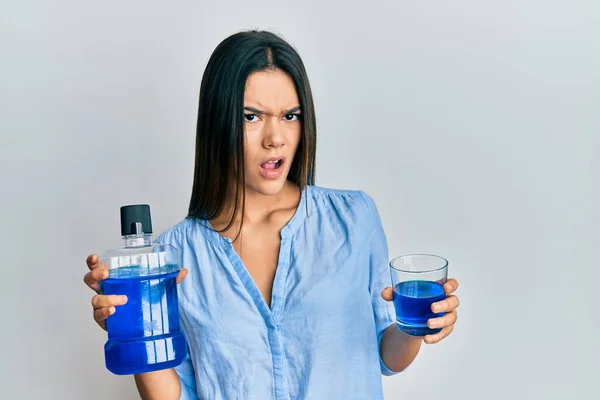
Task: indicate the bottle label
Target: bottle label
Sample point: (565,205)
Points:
(145,260)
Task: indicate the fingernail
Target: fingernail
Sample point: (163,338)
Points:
(436,307)
(123,299)
(433,323)
(111,310)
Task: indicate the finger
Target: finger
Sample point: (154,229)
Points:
(94,276)
(102,324)
(102,313)
(451,285)
(450,303)
(93,261)
(100,301)
(182,274)
(431,339)
(444,321)
(388,294)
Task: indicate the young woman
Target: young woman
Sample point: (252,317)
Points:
(286,294)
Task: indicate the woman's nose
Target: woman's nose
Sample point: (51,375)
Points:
(273,134)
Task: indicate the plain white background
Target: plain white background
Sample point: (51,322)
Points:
(475,125)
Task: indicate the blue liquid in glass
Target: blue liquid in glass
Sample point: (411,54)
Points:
(412,300)
(143,334)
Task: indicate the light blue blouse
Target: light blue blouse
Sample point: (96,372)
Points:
(320,338)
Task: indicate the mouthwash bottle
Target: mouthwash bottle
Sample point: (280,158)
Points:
(143,334)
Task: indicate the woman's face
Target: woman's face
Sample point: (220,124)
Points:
(272,130)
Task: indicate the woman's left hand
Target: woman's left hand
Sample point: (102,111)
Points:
(448,305)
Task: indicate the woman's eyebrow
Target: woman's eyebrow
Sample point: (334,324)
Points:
(260,112)
(293,110)
(254,110)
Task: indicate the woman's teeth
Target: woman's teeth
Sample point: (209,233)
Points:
(272,164)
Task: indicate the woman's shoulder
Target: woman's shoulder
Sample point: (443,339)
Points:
(355,203)
(178,233)
(320,193)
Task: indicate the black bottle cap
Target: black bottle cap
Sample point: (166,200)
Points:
(135,219)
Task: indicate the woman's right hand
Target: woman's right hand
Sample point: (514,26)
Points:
(104,306)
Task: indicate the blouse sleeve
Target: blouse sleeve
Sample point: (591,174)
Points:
(187,378)
(379,277)
(185,370)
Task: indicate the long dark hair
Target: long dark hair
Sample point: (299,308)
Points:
(220,128)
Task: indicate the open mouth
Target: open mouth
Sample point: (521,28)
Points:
(272,164)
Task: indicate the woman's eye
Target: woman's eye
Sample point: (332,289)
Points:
(251,117)
(292,117)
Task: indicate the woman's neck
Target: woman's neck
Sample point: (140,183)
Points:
(258,207)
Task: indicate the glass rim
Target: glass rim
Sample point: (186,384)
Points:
(445,262)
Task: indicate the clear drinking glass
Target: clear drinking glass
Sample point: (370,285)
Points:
(418,281)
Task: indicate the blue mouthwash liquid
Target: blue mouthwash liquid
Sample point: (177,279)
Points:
(143,334)
(412,301)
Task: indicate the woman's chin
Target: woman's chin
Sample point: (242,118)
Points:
(265,187)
